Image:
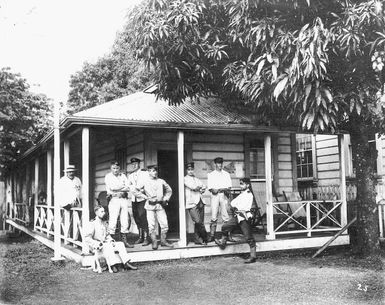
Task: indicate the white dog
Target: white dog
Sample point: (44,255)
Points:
(98,254)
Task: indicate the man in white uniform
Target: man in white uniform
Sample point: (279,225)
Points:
(69,189)
(117,188)
(218,183)
(138,176)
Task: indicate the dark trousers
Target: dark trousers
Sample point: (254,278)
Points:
(197,214)
(139,213)
(232,224)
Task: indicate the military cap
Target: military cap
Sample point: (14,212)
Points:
(218,160)
(70,168)
(190,164)
(245,180)
(154,166)
(133,160)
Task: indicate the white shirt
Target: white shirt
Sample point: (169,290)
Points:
(69,190)
(115,183)
(136,178)
(192,197)
(218,180)
(243,202)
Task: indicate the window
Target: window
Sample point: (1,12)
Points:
(257,159)
(304,155)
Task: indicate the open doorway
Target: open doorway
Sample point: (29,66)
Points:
(168,171)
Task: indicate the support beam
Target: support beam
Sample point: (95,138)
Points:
(36,190)
(57,217)
(49,177)
(66,156)
(85,182)
(269,190)
(182,209)
(344,210)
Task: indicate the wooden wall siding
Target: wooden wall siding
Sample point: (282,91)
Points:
(284,164)
(104,152)
(135,147)
(328,160)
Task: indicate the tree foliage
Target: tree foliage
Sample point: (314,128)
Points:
(24,117)
(114,75)
(310,63)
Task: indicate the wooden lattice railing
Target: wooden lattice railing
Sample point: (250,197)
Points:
(71,229)
(307,216)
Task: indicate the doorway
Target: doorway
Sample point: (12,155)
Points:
(168,171)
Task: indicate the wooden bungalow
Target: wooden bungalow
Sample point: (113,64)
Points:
(140,126)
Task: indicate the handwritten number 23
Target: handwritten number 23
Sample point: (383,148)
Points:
(365,288)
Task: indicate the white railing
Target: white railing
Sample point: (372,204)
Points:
(18,212)
(381,217)
(307,216)
(71,229)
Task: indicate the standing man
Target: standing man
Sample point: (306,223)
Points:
(218,183)
(69,189)
(138,176)
(157,193)
(117,188)
(194,189)
(244,209)
(97,236)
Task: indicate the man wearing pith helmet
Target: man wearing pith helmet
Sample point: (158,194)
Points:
(218,183)
(194,188)
(138,200)
(69,189)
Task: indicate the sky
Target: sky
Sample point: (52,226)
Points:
(48,40)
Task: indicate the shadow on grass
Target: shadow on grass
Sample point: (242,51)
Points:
(26,268)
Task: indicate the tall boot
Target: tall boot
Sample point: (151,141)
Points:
(154,241)
(163,241)
(202,232)
(223,241)
(146,238)
(197,239)
(125,240)
(253,252)
(211,236)
(141,237)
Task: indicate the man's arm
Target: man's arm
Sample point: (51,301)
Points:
(89,236)
(167,191)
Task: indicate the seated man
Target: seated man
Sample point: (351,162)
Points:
(97,234)
(243,208)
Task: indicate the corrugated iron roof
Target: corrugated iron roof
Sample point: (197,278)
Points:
(144,107)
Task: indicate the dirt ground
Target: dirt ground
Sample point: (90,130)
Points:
(28,276)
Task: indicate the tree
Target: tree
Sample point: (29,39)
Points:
(114,75)
(313,64)
(24,117)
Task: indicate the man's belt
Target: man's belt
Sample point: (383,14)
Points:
(120,195)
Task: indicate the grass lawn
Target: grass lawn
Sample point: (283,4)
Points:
(27,276)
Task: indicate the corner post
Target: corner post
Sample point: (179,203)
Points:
(85,182)
(269,190)
(182,210)
(344,211)
(57,216)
